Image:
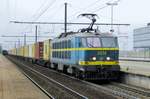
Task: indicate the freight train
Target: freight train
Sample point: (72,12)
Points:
(85,54)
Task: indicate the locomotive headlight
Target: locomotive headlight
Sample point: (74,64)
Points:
(94,58)
(107,58)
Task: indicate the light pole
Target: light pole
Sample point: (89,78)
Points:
(65,24)
(19,43)
(25,39)
(112,5)
(36,33)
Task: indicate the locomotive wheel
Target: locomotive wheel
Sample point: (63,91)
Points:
(79,74)
(75,73)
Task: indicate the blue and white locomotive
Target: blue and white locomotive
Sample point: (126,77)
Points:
(86,54)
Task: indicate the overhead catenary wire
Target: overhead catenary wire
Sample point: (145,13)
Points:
(34,15)
(19,22)
(38,9)
(45,9)
(51,16)
(87,8)
(23,36)
(56,11)
(41,11)
(98,8)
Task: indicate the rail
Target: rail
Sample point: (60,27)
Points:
(120,90)
(69,90)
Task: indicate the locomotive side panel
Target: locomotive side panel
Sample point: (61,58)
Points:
(62,51)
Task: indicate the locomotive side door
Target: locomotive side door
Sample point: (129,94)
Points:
(77,40)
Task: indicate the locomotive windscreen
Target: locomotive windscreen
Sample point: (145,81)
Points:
(109,42)
(100,42)
(93,42)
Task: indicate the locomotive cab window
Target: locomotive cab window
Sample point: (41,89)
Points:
(93,42)
(82,42)
(109,42)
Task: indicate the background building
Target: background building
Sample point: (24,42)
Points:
(141,38)
(141,42)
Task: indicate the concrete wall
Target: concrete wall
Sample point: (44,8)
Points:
(136,80)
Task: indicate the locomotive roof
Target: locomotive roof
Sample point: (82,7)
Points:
(85,34)
(92,34)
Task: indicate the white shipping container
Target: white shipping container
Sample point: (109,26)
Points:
(30,51)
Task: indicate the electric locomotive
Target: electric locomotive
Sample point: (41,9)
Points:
(86,54)
(5,52)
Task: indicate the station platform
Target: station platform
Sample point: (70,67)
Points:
(14,85)
(136,67)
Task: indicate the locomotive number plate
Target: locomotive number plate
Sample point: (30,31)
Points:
(101,53)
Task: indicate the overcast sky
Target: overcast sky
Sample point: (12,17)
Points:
(134,12)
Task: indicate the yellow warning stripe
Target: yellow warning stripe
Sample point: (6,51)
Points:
(75,49)
(98,63)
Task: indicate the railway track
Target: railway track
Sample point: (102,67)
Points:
(123,90)
(72,83)
(92,90)
(67,92)
(138,92)
(131,93)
